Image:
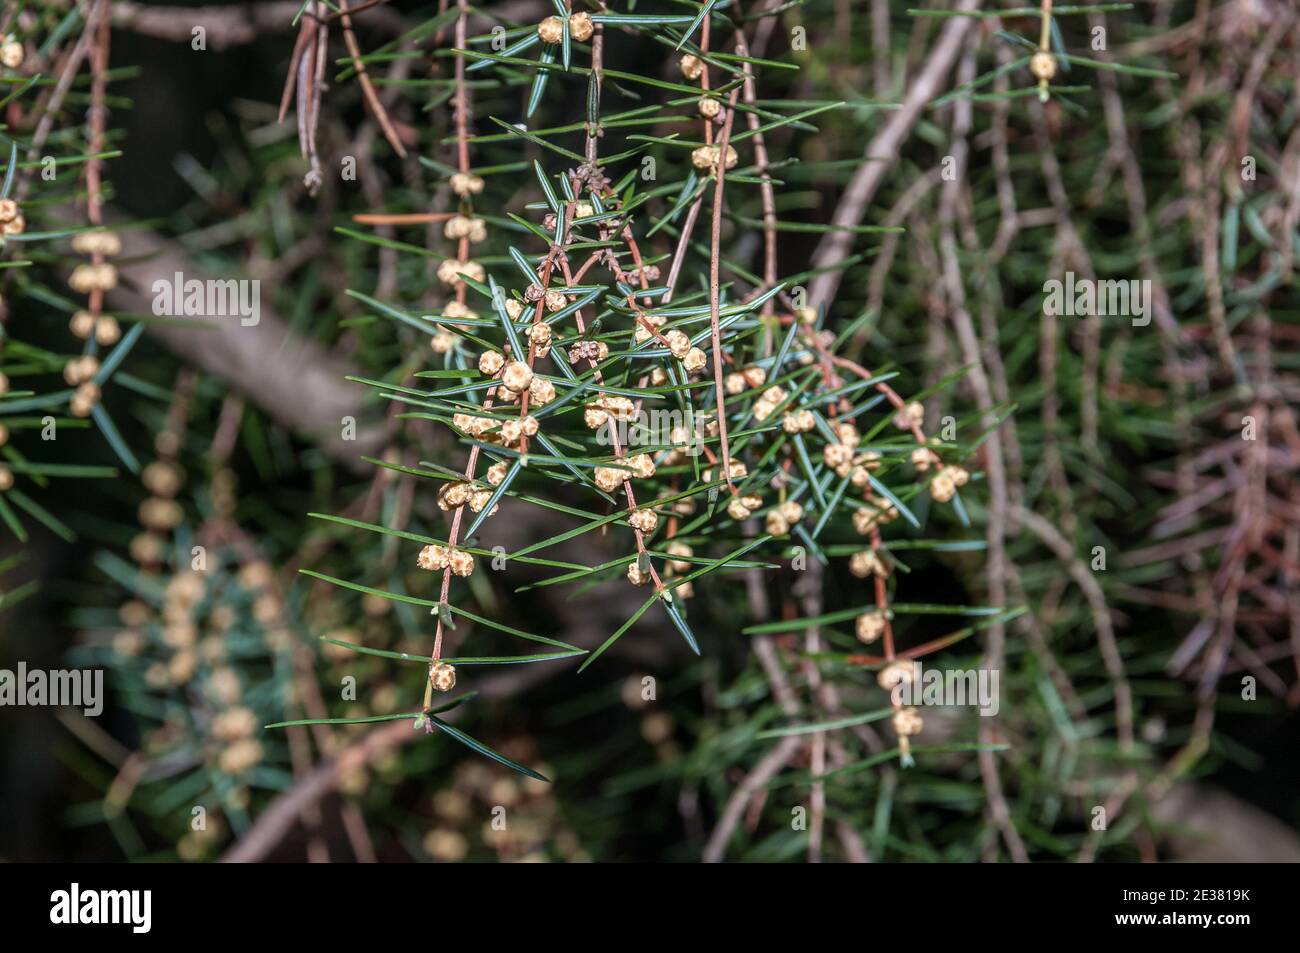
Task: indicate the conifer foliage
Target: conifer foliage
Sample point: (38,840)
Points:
(816,430)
